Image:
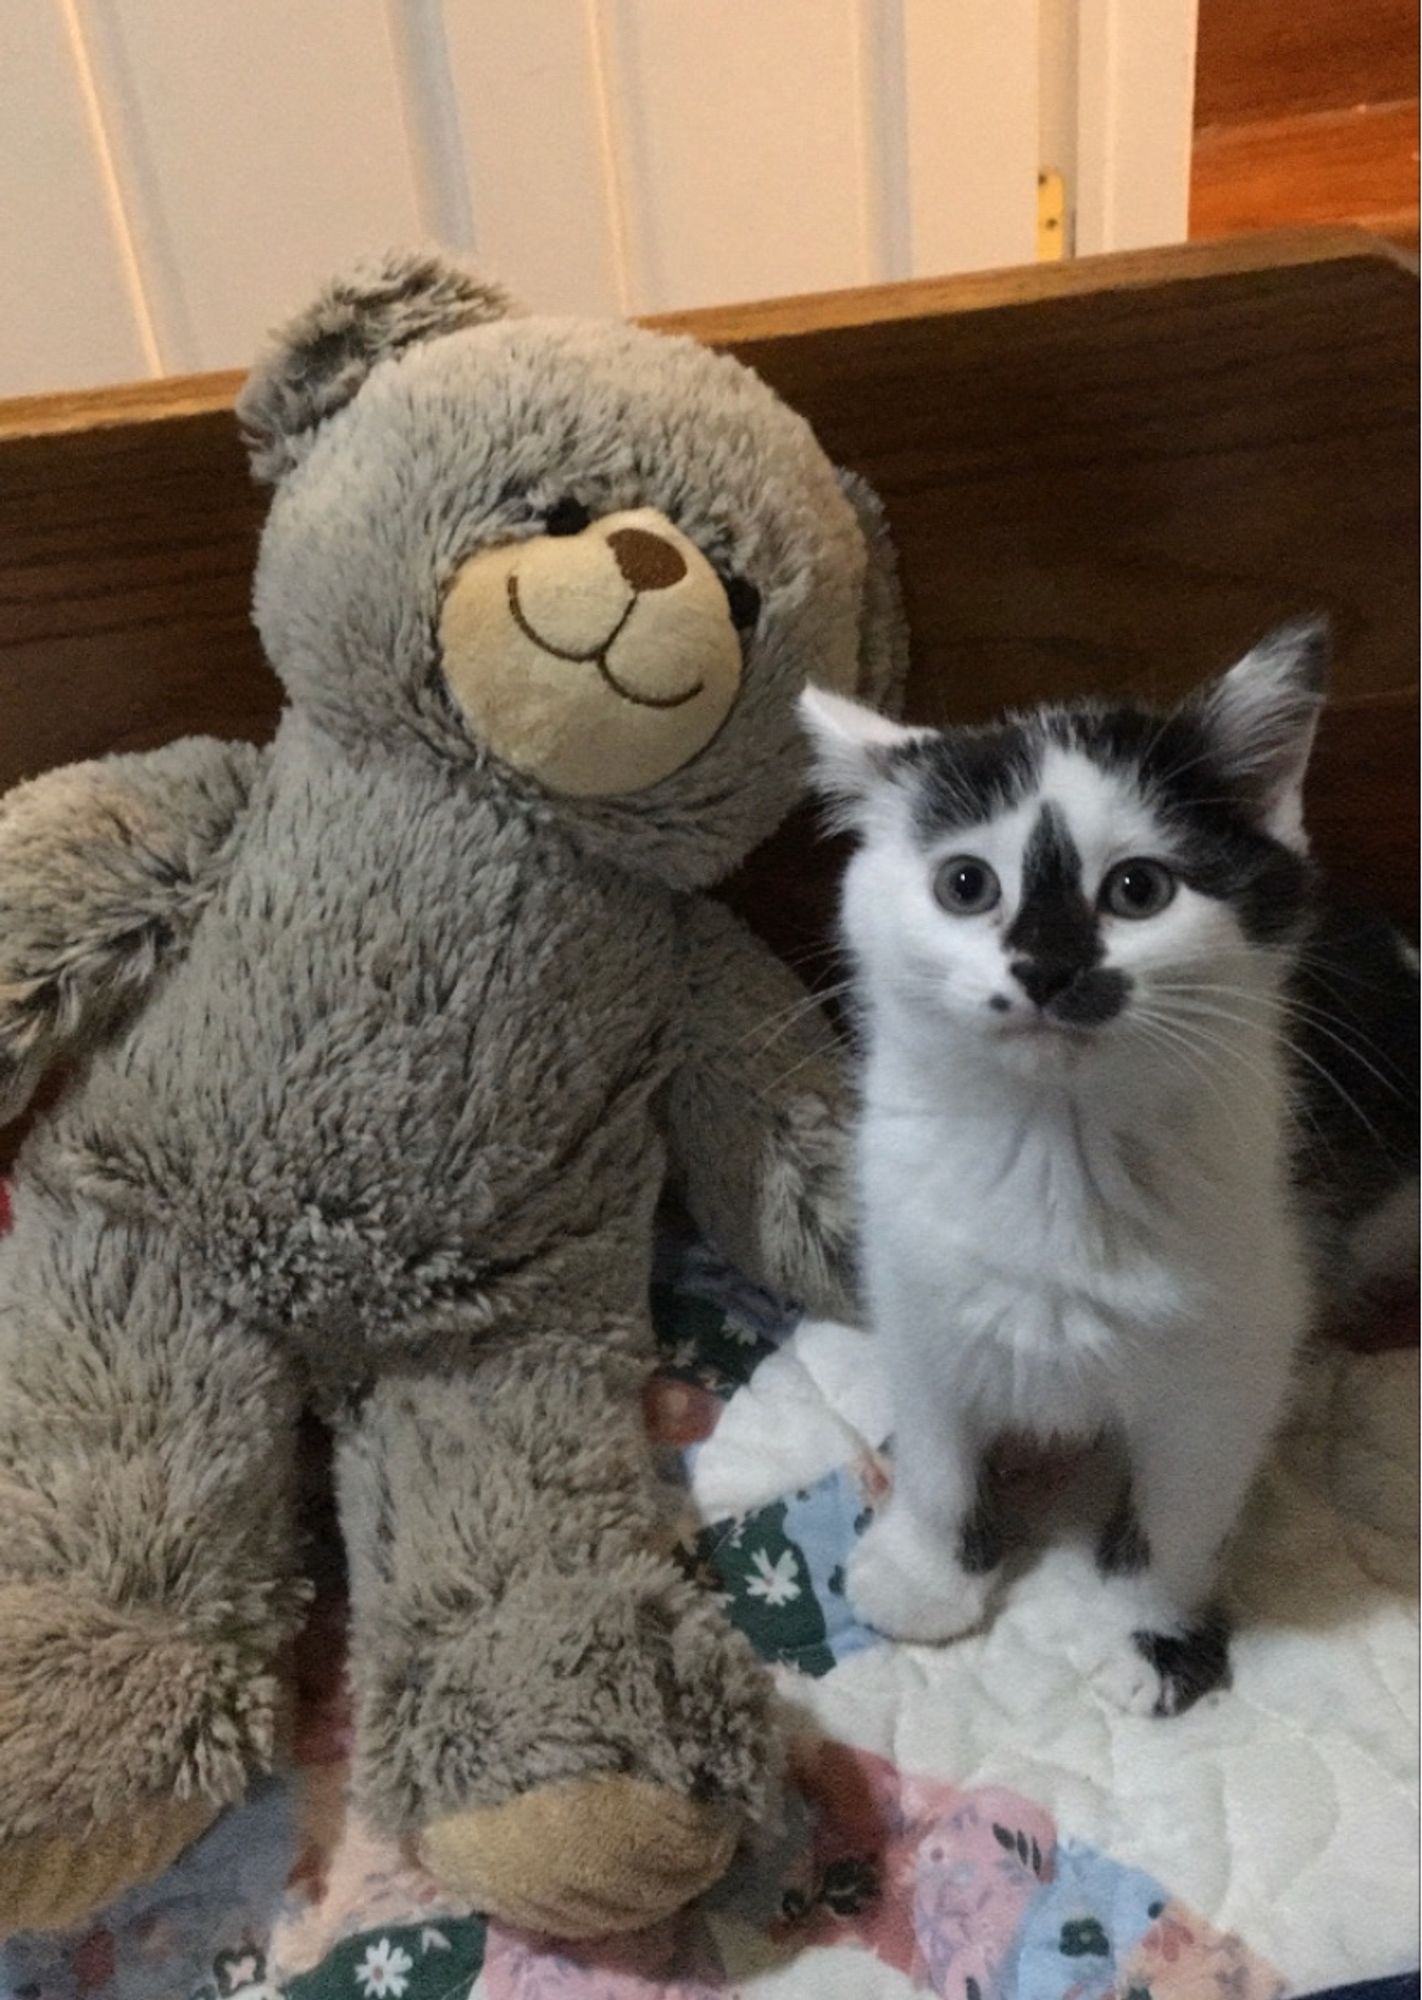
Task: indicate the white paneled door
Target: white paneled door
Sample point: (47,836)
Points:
(175,175)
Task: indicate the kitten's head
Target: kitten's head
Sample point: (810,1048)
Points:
(1069,874)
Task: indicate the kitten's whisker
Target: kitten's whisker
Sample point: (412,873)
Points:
(825,1048)
(1309,954)
(1319,1020)
(1323,1016)
(1286,1002)
(1183,1060)
(784,1019)
(1186,1021)
(1297,1104)
(1303,1055)
(816,955)
(1324,1022)
(1190,1048)
(1338,1089)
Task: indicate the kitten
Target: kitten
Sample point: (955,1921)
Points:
(1098,999)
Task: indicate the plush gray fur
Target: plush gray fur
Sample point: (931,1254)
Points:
(322,358)
(773,1192)
(519,1627)
(387,1054)
(104,870)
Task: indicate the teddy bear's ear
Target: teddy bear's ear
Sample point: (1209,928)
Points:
(315,364)
(883,627)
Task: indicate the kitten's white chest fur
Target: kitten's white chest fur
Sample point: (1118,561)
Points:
(1061,1260)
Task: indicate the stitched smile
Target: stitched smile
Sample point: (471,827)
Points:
(597,656)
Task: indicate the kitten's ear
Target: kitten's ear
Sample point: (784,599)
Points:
(1261,717)
(851,747)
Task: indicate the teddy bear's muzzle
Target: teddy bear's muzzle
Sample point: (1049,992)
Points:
(596,662)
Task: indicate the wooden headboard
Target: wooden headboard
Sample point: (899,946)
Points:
(1104,475)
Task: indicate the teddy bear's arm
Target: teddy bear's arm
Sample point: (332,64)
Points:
(104,869)
(759,1117)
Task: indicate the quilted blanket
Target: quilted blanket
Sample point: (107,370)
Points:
(972,1821)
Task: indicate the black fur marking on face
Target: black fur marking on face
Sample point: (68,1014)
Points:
(1056,935)
(1093,998)
(966,776)
(1123,1549)
(963,777)
(1054,925)
(1220,850)
(1190,1664)
(980,1538)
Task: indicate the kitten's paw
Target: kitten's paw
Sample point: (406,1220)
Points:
(1164,1673)
(907,1585)
(1127,1680)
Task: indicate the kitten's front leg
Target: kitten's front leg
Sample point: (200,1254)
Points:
(1194,1453)
(922,1571)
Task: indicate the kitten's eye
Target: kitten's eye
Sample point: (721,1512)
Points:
(744,600)
(567,517)
(966,886)
(1137,889)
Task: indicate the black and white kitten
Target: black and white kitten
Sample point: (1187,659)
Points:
(1129,1094)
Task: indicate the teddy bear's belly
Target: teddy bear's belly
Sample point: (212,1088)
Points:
(361,1193)
(400,1087)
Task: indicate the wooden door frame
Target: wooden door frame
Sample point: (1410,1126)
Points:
(1117,117)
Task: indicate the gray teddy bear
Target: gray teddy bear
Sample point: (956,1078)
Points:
(386,1040)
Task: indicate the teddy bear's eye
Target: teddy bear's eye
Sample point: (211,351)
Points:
(744,600)
(567,517)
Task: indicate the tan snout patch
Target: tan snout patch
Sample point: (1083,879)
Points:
(599,662)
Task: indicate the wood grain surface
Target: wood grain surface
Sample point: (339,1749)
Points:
(1306,113)
(1259,59)
(1353,165)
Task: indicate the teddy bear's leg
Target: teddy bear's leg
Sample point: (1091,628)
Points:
(146,1559)
(562,1725)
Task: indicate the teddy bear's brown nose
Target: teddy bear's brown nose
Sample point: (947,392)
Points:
(647,562)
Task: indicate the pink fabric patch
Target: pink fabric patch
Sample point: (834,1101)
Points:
(674,1961)
(1181,1957)
(940,1877)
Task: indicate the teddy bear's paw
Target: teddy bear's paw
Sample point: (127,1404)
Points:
(122,1732)
(585,1858)
(55,1878)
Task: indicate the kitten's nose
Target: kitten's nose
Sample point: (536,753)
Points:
(1042,979)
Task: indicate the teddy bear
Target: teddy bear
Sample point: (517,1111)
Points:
(384,1043)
